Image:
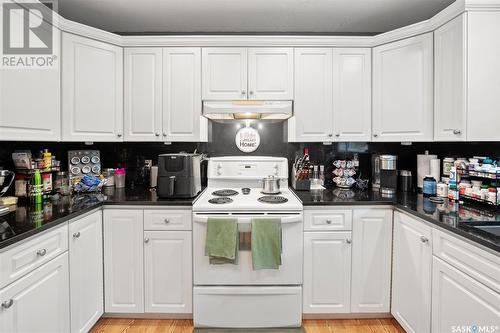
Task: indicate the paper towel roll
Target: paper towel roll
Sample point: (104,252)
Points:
(423,167)
(435,169)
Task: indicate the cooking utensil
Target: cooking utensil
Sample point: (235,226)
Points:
(270,185)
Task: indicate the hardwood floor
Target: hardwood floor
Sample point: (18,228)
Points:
(108,325)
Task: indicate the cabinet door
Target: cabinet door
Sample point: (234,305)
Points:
(86,272)
(30,102)
(39,301)
(403,90)
(92,90)
(143,94)
(270,73)
(352,94)
(483,76)
(449,80)
(123,261)
(182,119)
(224,73)
(460,301)
(411,274)
(371,260)
(313,105)
(327,272)
(168,271)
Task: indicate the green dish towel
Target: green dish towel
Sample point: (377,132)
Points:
(266,243)
(222,239)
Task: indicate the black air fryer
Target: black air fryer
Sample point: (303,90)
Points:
(179,175)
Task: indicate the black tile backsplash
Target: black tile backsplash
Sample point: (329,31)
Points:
(273,143)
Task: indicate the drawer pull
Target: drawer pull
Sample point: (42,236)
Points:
(424,239)
(41,252)
(76,234)
(7,304)
(348,240)
(328,221)
(167,221)
(146,240)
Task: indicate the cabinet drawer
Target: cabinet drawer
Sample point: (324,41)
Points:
(469,259)
(24,258)
(328,219)
(167,219)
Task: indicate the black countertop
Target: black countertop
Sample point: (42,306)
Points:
(457,218)
(29,219)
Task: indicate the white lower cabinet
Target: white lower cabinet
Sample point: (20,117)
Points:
(327,272)
(459,301)
(411,273)
(371,260)
(123,261)
(168,281)
(39,301)
(86,272)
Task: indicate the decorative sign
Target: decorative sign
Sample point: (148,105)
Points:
(247,139)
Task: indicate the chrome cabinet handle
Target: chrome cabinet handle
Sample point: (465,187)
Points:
(119,135)
(167,221)
(250,92)
(424,239)
(146,240)
(157,134)
(337,135)
(375,135)
(41,252)
(328,221)
(164,134)
(330,135)
(76,234)
(348,240)
(243,92)
(457,131)
(7,304)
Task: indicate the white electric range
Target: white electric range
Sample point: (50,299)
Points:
(236,295)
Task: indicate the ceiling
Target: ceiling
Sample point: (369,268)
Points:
(250,16)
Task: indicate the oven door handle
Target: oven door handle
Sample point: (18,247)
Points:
(284,220)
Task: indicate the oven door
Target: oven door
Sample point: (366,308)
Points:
(289,273)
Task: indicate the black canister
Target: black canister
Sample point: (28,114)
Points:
(405,181)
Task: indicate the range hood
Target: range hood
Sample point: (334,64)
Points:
(244,110)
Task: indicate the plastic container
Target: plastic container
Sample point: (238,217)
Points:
(119,178)
(448,163)
(430,186)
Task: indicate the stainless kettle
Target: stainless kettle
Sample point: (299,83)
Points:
(270,185)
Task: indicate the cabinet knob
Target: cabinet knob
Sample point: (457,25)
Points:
(457,132)
(250,92)
(164,134)
(119,135)
(76,234)
(167,221)
(157,134)
(243,92)
(375,135)
(424,239)
(7,304)
(146,240)
(41,252)
(328,221)
(330,135)
(337,135)
(348,240)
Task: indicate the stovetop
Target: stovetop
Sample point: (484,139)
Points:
(255,200)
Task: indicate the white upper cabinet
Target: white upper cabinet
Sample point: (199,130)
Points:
(182,119)
(411,274)
(403,90)
(327,272)
(449,80)
(483,76)
(224,75)
(30,103)
(352,94)
(270,73)
(86,272)
(371,260)
(313,105)
(142,94)
(92,90)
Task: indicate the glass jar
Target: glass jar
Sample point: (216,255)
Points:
(61,183)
